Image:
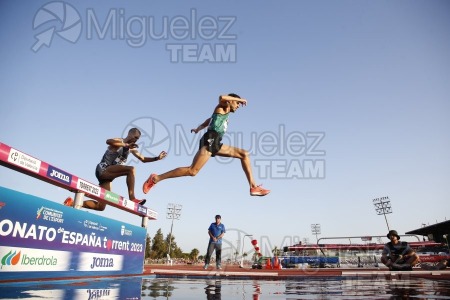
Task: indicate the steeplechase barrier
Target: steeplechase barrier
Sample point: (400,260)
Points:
(42,239)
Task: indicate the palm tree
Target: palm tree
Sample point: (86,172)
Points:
(236,255)
(276,251)
(194,253)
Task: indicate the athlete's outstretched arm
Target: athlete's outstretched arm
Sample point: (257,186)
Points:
(145,159)
(201,126)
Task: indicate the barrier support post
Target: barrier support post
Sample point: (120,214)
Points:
(78,201)
(144,222)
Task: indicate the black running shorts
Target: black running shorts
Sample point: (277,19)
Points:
(98,171)
(212,140)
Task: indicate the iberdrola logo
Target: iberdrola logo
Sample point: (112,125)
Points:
(38,213)
(10,259)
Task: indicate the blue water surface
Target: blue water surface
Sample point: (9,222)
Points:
(218,288)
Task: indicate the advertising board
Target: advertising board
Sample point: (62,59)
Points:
(44,239)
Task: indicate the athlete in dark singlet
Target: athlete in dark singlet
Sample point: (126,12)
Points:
(112,165)
(210,145)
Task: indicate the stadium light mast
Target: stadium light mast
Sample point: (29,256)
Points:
(383,207)
(315,229)
(174,213)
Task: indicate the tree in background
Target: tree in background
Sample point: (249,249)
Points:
(147,246)
(175,251)
(236,255)
(276,251)
(194,254)
(159,246)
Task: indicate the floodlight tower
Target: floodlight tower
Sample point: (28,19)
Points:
(315,229)
(174,213)
(383,207)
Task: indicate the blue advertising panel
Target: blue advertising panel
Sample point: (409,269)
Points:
(43,239)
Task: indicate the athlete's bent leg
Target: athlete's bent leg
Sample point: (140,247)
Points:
(115,171)
(200,159)
(243,155)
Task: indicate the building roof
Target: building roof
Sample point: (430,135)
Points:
(436,231)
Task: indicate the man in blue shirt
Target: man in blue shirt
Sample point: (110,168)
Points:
(215,231)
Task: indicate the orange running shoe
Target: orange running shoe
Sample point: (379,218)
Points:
(258,191)
(68,201)
(148,184)
(140,202)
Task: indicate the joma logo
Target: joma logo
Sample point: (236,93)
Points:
(101,262)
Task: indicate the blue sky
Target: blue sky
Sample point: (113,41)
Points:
(363,86)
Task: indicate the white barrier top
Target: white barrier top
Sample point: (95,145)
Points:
(24,163)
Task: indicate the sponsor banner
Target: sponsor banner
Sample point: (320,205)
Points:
(50,214)
(99,262)
(142,210)
(128,203)
(88,187)
(94,225)
(59,175)
(15,259)
(111,197)
(47,225)
(152,214)
(125,231)
(23,160)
